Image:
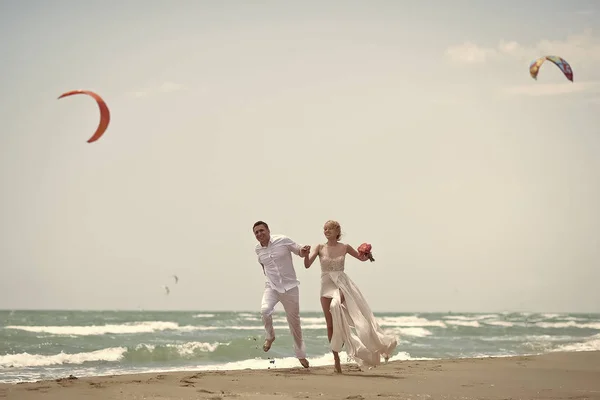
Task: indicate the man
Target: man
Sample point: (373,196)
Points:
(275,255)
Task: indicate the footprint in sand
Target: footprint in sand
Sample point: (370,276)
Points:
(40,388)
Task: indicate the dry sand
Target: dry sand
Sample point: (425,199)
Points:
(551,376)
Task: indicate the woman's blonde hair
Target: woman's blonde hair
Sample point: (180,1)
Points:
(335,225)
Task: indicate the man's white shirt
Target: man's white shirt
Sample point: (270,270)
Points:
(276,258)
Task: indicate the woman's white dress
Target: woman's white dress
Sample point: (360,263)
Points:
(354,325)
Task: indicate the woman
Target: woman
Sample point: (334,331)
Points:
(345,307)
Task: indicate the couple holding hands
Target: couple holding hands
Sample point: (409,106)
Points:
(350,321)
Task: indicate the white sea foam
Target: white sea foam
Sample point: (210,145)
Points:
(471,317)
(37,360)
(500,323)
(551,316)
(472,324)
(184,349)
(112,354)
(412,321)
(569,324)
(158,326)
(414,332)
(574,319)
(204,316)
(591,344)
(290,362)
(136,327)
(133,328)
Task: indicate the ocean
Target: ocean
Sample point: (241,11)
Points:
(38,345)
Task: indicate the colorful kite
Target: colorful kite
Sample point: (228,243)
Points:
(104,112)
(564,66)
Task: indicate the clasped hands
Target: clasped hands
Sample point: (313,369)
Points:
(304,251)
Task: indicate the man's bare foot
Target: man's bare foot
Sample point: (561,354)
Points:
(304,362)
(267,344)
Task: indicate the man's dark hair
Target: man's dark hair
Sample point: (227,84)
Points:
(257,223)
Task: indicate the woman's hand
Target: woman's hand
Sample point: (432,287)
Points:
(311,258)
(363,256)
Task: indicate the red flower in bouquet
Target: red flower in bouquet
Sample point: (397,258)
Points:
(365,249)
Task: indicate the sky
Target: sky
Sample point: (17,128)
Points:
(416,125)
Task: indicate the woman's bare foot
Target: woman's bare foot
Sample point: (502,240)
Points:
(338,366)
(267,344)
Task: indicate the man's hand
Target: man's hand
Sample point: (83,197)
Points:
(304,251)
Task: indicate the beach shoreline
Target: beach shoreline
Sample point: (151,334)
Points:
(568,375)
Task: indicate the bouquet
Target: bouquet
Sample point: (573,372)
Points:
(365,249)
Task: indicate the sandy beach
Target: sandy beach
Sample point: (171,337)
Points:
(551,376)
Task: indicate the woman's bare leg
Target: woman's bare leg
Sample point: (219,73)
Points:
(325,304)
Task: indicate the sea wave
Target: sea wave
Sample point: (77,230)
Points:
(37,360)
(410,321)
(204,316)
(139,353)
(472,324)
(591,344)
(568,324)
(128,328)
(470,317)
(414,331)
(141,327)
